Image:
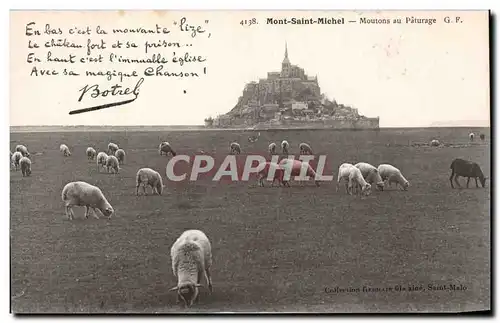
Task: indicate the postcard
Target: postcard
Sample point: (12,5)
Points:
(250,162)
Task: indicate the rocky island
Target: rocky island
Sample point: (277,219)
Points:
(289,99)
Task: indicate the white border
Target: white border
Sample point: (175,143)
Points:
(199,4)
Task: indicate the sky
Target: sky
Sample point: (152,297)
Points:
(409,75)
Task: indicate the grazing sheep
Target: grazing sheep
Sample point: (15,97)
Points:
(296,166)
(65,150)
(235,148)
(25,163)
(166,148)
(83,194)
(191,260)
(91,153)
(120,155)
(284,147)
(272,148)
(481,136)
(112,164)
(353,178)
(393,175)
(435,142)
(471,136)
(460,167)
(278,174)
(23,150)
(148,177)
(16,157)
(101,160)
(371,175)
(305,149)
(112,148)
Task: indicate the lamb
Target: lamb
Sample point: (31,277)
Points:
(23,150)
(393,175)
(471,136)
(435,142)
(148,177)
(278,174)
(166,148)
(235,148)
(272,148)
(25,163)
(84,194)
(371,175)
(353,178)
(191,260)
(112,148)
(112,164)
(120,155)
(101,160)
(284,147)
(91,153)
(296,166)
(65,150)
(16,158)
(305,149)
(461,167)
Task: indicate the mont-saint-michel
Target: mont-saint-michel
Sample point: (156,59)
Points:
(306,21)
(289,99)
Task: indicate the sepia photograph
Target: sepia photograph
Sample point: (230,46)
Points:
(257,161)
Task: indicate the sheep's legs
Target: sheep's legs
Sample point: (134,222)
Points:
(209,279)
(468,180)
(94,213)
(475,178)
(456,180)
(87,211)
(68,211)
(144,189)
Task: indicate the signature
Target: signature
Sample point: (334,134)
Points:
(94,91)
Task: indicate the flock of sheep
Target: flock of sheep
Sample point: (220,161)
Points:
(358,178)
(191,253)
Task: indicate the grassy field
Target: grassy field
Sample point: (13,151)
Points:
(274,249)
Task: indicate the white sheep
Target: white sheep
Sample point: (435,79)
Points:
(120,155)
(166,148)
(370,174)
(471,136)
(305,149)
(65,150)
(91,153)
(16,157)
(353,178)
(25,163)
(112,164)
(435,142)
(101,160)
(83,194)
(393,175)
(191,260)
(112,148)
(235,148)
(148,177)
(23,150)
(272,148)
(285,146)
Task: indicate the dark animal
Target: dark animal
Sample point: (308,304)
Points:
(481,136)
(460,167)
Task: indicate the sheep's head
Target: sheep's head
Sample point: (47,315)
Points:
(406,185)
(367,189)
(188,292)
(483,181)
(28,172)
(159,187)
(108,211)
